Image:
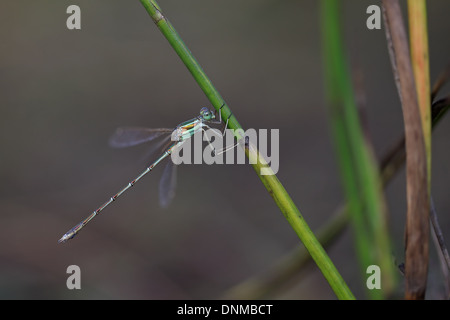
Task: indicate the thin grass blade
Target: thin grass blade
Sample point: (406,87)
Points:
(271,182)
(359,171)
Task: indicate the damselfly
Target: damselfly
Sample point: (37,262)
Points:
(125,137)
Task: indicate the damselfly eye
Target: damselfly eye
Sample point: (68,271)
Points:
(206,113)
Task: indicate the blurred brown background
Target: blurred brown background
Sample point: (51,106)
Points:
(62,93)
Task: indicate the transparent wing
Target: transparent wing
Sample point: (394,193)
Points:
(131,136)
(157,147)
(168,184)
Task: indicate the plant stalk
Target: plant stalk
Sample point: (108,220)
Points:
(270,181)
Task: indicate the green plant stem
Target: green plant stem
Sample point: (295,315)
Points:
(285,269)
(264,286)
(358,168)
(270,181)
(189,61)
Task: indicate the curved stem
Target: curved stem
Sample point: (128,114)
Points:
(269,179)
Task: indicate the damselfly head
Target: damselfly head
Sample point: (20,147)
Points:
(206,114)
